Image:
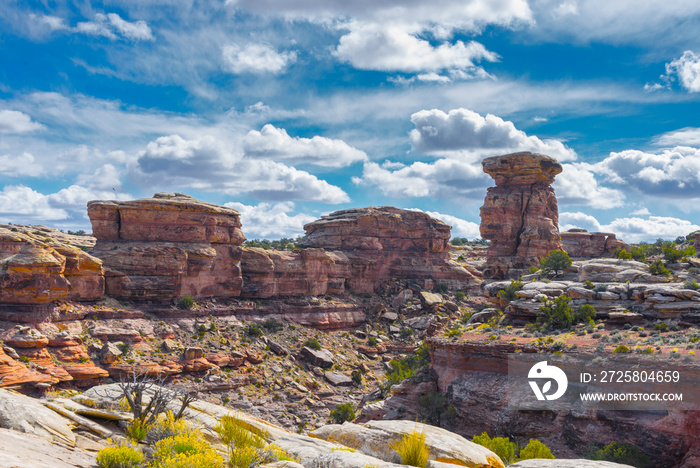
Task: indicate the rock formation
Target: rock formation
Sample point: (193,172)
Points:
(37,270)
(168,246)
(579,243)
(520,215)
(383,243)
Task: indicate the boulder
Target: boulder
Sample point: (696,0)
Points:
(29,451)
(604,270)
(337,379)
(520,215)
(27,415)
(579,243)
(321,358)
(110,353)
(429,299)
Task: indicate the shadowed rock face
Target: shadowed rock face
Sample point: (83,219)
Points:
(520,215)
(168,246)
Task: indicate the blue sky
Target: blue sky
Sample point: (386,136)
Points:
(289,110)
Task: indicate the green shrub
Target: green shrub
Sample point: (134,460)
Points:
(406,332)
(185,303)
(435,410)
(622,349)
(535,449)
(356,376)
(342,412)
(556,314)
(624,255)
(254,330)
(622,452)
(137,430)
(400,369)
(272,325)
(658,268)
(585,314)
(187,450)
(555,262)
(638,254)
(441,288)
(412,449)
(508,294)
(602,287)
(501,446)
(372,341)
(312,343)
(121,456)
(690,284)
(243,441)
(673,254)
(459,295)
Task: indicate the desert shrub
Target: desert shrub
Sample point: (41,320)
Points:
(356,376)
(661,326)
(412,449)
(120,456)
(186,450)
(272,325)
(585,314)
(673,254)
(658,268)
(167,426)
(441,288)
(508,294)
(690,284)
(501,446)
(400,369)
(638,254)
(622,254)
(435,410)
(459,295)
(372,341)
(242,440)
(602,287)
(588,284)
(621,349)
(313,344)
(622,452)
(555,262)
(556,314)
(136,430)
(535,449)
(185,303)
(254,330)
(406,332)
(342,412)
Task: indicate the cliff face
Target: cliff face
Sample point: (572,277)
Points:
(474,376)
(383,243)
(579,243)
(520,215)
(168,246)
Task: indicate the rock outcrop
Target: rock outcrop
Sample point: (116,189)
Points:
(168,246)
(382,243)
(38,270)
(520,215)
(579,243)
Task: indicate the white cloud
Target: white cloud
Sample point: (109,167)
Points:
(271,221)
(106,177)
(674,173)
(577,185)
(568,220)
(275,143)
(686,69)
(19,203)
(17,122)
(644,211)
(444,178)
(689,136)
(113,26)
(22,165)
(631,230)
(256,58)
(392,48)
(460,227)
(205,164)
(463,130)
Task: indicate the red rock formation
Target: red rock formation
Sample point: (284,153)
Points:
(37,270)
(520,215)
(168,246)
(388,243)
(579,243)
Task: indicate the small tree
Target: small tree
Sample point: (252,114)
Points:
(535,449)
(555,262)
(508,294)
(342,412)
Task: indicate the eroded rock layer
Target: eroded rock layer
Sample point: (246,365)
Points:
(579,243)
(382,243)
(168,246)
(520,215)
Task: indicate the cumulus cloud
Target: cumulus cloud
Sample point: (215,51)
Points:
(206,164)
(631,230)
(17,122)
(673,173)
(391,48)
(460,227)
(444,178)
(275,143)
(19,203)
(22,165)
(641,212)
(271,221)
(255,58)
(686,69)
(107,177)
(577,185)
(463,130)
(113,26)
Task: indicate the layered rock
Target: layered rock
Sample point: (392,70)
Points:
(382,243)
(579,243)
(168,246)
(520,215)
(38,270)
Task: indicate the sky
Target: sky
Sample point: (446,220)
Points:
(288,110)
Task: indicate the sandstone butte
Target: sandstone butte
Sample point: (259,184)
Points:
(520,215)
